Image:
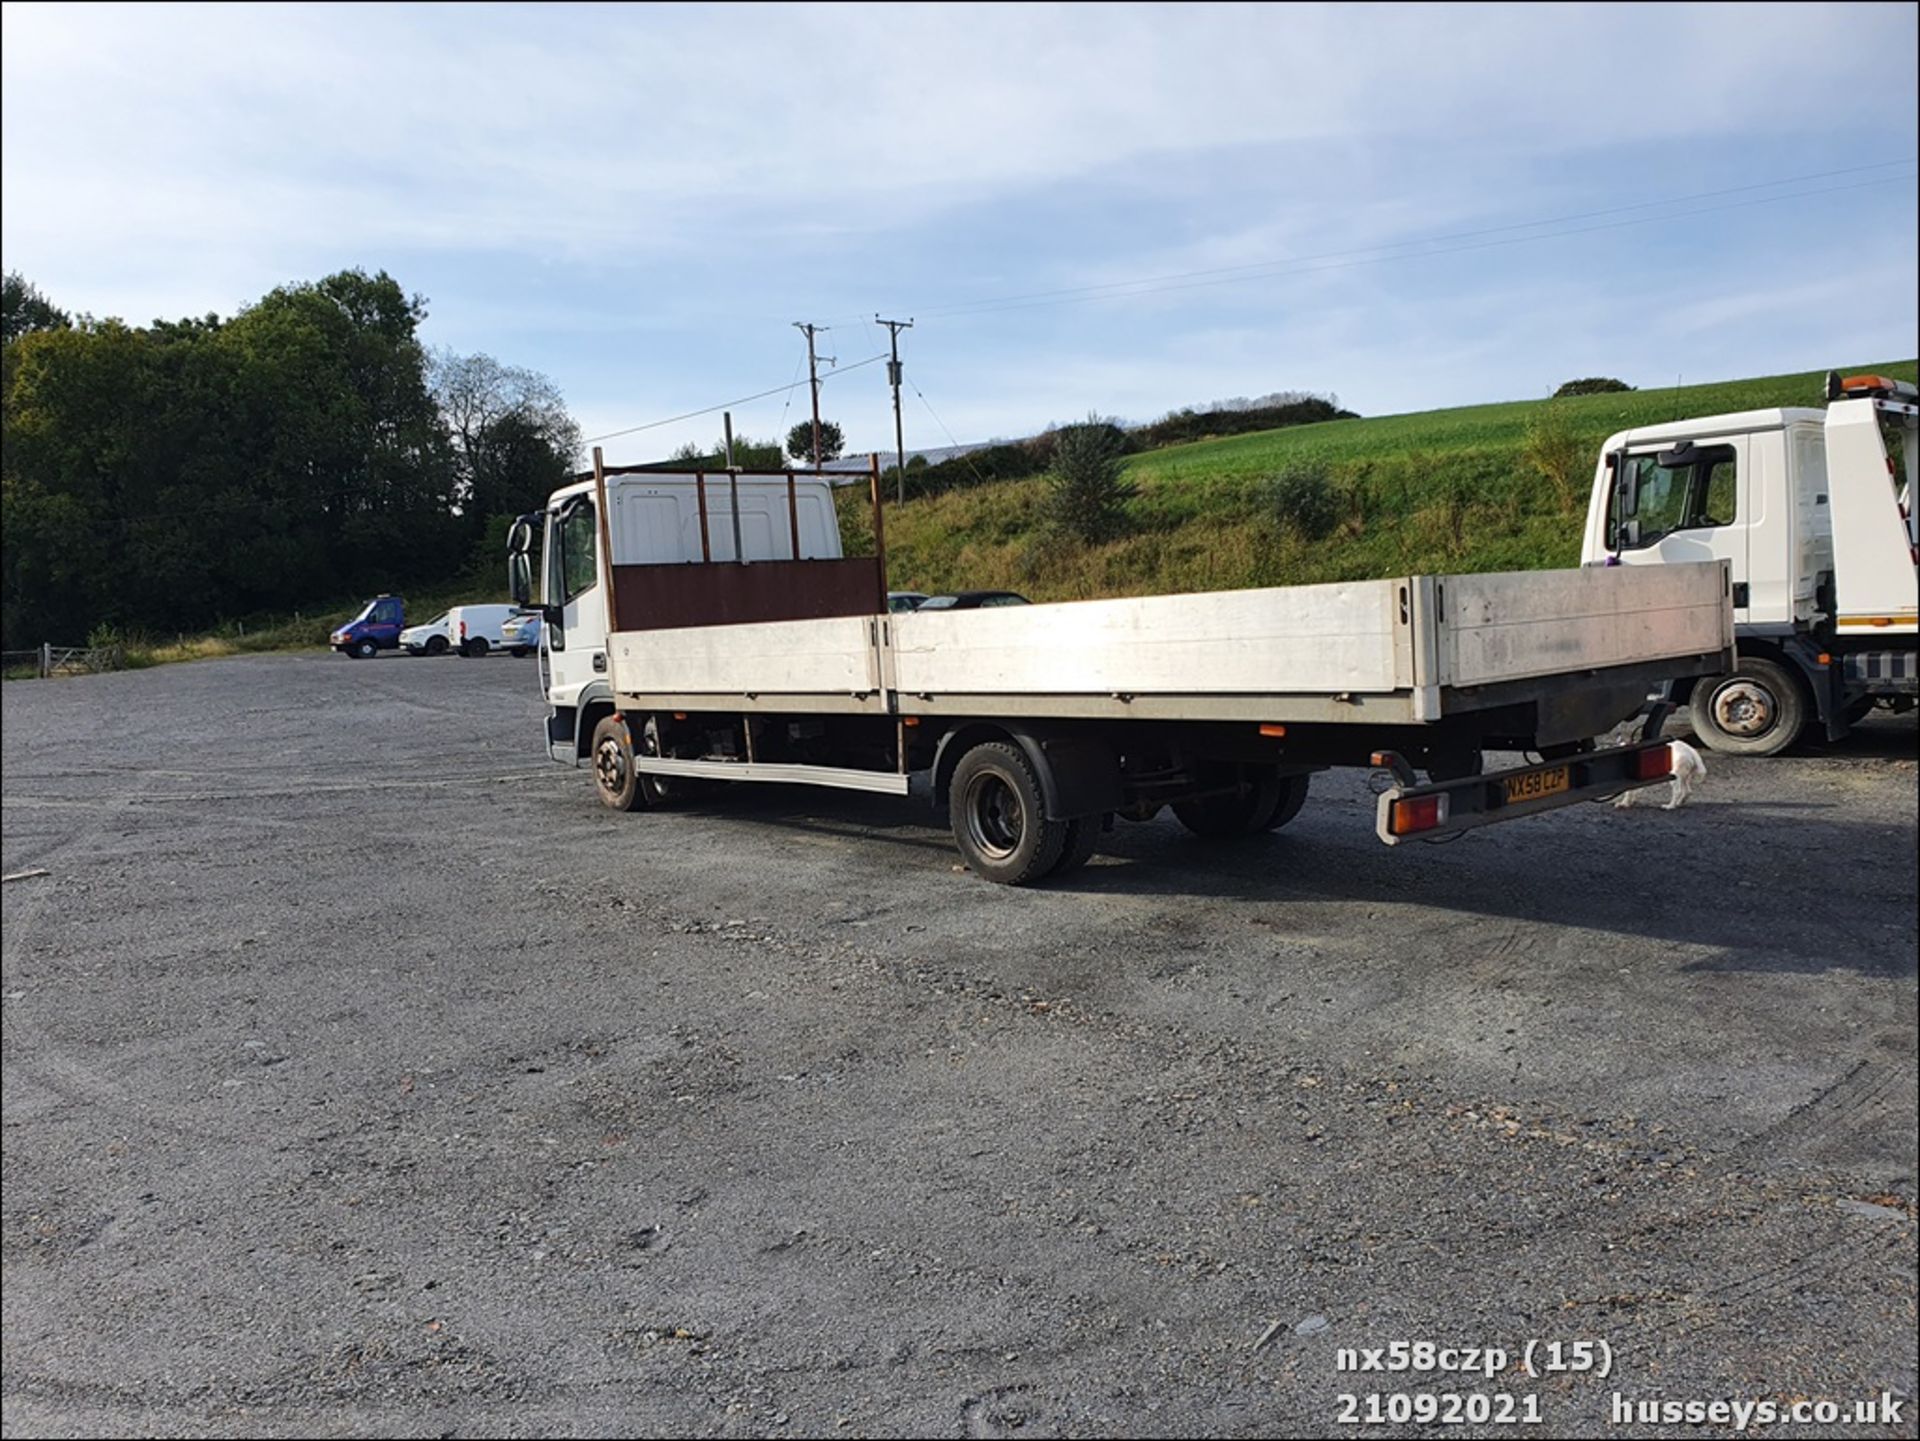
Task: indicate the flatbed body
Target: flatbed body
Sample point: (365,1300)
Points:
(1404,651)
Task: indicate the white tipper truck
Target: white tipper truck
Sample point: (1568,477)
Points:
(704,627)
(1813,512)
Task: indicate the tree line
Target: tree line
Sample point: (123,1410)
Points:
(303,451)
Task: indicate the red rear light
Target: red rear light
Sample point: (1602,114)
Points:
(1417,813)
(463,630)
(1652,764)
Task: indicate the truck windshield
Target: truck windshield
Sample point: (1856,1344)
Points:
(1653,500)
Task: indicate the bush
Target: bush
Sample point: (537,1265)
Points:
(1305,501)
(1089,493)
(1554,451)
(1592,385)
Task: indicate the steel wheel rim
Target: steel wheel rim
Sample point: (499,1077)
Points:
(1745,708)
(610,766)
(996,820)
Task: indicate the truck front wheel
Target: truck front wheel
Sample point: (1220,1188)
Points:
(615,780)
(999,817)
(363,650)
(1758,710)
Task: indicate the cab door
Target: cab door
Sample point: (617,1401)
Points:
(1686,502)
(576,641)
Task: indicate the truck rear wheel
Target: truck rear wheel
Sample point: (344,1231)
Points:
(1293,795)
(1083,838)
(1000,818)
(615,780)
(1245,811)
(1757,710)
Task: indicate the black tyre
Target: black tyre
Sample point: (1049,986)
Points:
(416,650)
(615,780)
(1758,710)
(1242,811)
(474,648)
(520,652)
(436,645)
(363,650)
(1083,839)
(999,818)
(1293,795)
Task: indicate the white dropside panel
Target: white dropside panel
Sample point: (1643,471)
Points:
(1519,624)
(1309,639)
(834,657)
(1875,584)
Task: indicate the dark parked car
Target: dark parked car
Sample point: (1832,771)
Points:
(973,600)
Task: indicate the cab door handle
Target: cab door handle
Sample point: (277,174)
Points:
(600,660)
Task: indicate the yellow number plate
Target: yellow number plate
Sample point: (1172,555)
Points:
(1535,784)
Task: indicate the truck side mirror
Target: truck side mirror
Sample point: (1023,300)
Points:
(1629,534)
(1679,456)
(519,577)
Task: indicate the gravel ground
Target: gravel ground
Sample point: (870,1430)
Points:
(362,1075)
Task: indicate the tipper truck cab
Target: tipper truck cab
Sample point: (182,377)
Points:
(706,627)
(1812,511)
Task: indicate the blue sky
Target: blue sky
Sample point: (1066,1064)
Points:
(639,201)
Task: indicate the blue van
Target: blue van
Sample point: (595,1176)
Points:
(376,628)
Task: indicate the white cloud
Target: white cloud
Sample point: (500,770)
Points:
(229,138)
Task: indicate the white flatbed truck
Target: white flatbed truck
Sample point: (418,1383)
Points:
(1813,511)
(706,627)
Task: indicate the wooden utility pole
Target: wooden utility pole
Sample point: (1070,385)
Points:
(894,327)
(808,329)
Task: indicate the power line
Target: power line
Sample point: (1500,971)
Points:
(723,405)
(1342,259)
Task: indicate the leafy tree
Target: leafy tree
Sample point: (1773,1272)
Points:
(800,442)
(23,308)
(1592,385)
(196,470)
(1089,493)
(513,441)
(748,454)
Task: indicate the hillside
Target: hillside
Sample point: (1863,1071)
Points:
(1485,487)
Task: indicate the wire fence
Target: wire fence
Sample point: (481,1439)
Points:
(52,660)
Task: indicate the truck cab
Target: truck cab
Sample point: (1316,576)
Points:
(659,518)
(1812,511)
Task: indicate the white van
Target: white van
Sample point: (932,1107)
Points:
(474,630)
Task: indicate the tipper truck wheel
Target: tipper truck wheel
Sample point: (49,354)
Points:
(615,780)
(1757,710)
(999,818)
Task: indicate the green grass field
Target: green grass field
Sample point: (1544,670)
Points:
(1440,490)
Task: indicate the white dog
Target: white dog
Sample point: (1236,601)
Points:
(1688,771)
